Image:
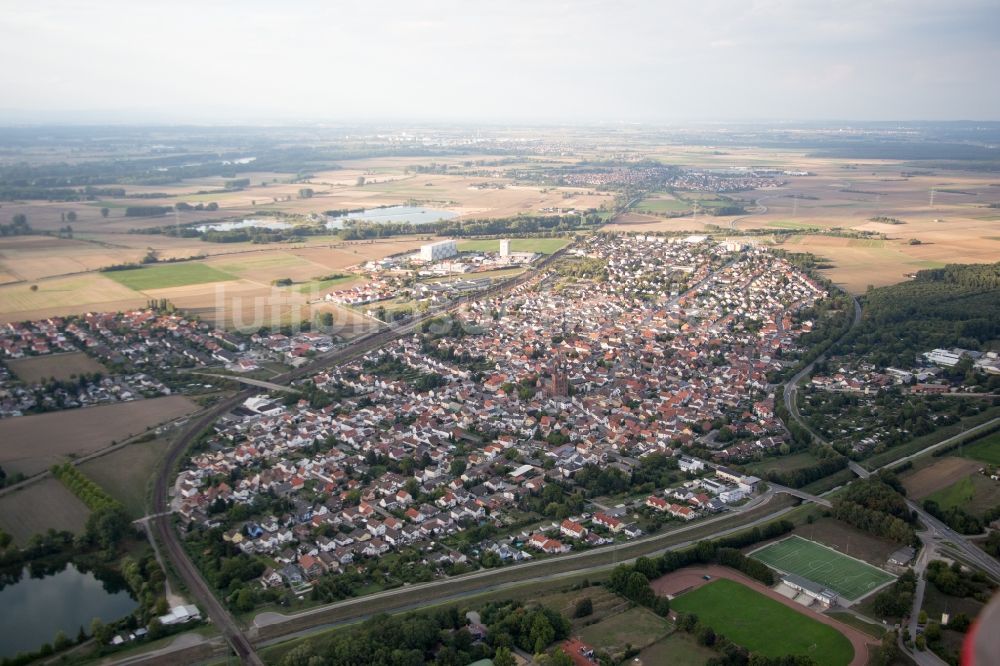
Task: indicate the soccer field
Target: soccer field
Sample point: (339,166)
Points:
(848,577)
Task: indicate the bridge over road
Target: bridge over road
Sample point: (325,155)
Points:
(801,494)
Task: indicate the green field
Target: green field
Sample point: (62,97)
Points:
(959,493)
(677,649)
(848,577)
(763,625)
(168,275)
(657,205)
(986,449)
(323,285)
(637,627)
(540,245)
(791,224)
(975,494)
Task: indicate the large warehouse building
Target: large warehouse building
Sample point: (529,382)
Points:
(438,251)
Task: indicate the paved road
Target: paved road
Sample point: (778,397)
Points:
(160,520)
(250,381)
(761,209)
(801,494)
(936,529)
(965,434)
(594,560)
(792,385)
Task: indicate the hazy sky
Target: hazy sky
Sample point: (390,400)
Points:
(259,61)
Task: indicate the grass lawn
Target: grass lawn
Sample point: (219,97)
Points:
(677,649)
(787,463)
(986,449)
(764,625)
(540,245)
(168,275)
(844,575)
(637,627)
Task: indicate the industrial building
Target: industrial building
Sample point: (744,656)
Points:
(438,251)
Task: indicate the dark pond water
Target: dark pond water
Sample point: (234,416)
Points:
(34,609)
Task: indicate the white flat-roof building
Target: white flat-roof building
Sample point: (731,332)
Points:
(505,248)
(438,251)
(813,590)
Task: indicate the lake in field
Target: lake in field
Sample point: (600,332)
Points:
(411,214)
(33,610)
(244,224)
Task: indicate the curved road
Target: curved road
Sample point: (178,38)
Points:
(792,385)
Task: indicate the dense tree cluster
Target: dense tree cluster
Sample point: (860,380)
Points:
(955,581)
(876,505)
(954,517)
(18,226)
(532,629)
(896,600)
(958,305)
(438,638)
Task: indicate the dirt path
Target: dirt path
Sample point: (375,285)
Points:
(691,578)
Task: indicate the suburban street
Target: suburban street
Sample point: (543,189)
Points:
(160,519)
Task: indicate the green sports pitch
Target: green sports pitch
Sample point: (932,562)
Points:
(848,577)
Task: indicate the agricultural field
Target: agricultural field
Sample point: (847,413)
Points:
(677,649)
(125,473)
(540,245)
(636,627)
(317,287)
(848,577)
(38,507)
(986,449)
(168,275)
(661,203)
(57,366)
(32,444)
(940,474)
(764,625)
(974,493)
(68,295)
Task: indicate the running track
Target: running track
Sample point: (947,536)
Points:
(691,577)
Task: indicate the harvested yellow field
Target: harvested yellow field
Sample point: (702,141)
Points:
(32,444)
(90,291)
